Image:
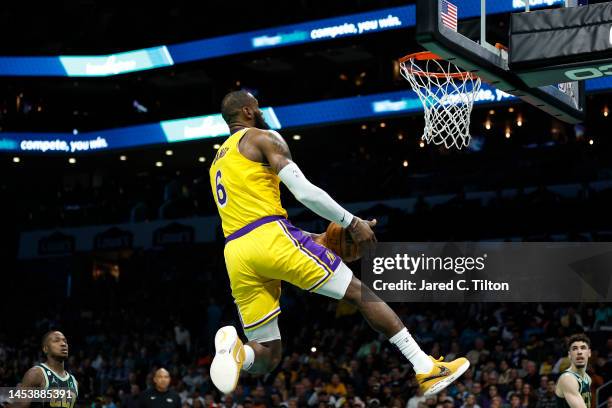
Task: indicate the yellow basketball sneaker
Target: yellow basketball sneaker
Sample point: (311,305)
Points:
(229,356)
(441,375)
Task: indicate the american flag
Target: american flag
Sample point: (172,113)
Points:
(448,12)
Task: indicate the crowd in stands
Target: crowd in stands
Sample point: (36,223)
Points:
(331,357)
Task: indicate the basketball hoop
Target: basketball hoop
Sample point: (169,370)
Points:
(447,94)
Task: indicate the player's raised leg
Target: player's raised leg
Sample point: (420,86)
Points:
(432,375)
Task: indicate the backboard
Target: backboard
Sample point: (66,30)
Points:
(442,30)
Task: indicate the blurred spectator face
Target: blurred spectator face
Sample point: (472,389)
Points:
(550,387)
(293,403)
(335,380)
(132,379)
(395,374)
(524,363)
(299,390)
(476,388)
(609,404)
(497,401)
(134,389)
(518,384)
(515,401)
(470,400)
(531,368)
(526,389)
(197,403)
(161,380)
(442,396)
(260,392)
(492,391)
(543,382)
(430,401)
(493,377)
(276,400)
(503,366)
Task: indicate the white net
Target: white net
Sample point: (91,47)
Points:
(571,89)
(447,94)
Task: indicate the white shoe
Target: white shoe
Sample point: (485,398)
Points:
(229,357)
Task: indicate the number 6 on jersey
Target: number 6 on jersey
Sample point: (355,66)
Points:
(221,194)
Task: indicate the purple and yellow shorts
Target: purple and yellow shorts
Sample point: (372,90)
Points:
(261,255)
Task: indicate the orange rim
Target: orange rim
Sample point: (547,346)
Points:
(428,56)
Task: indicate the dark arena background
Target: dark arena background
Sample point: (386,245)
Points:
(115,239)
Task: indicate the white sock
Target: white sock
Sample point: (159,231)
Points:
(249,358)
(410,349)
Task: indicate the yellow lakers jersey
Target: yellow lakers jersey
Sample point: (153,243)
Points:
(244,190)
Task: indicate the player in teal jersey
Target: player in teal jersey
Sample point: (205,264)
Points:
(574,384)
(51,374)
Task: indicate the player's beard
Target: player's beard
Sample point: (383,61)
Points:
(260,122)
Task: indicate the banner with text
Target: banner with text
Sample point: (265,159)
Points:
(489,272)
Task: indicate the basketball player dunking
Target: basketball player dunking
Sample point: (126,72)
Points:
(574,385)
(51,373)
(262,249)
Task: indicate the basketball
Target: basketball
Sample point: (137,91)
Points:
(340,241)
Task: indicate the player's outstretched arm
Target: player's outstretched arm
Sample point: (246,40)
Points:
(568,386)
(33,378)
(276,152)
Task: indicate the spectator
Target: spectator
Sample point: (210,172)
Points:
(532,377)
(492,393)
(548,399)
(193,379)
(182,338)
(543,388)
(470,402)
(131,400)
(515,401)
(416,399)
(528,396)
(477,352)
(336,387)
(517,389)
